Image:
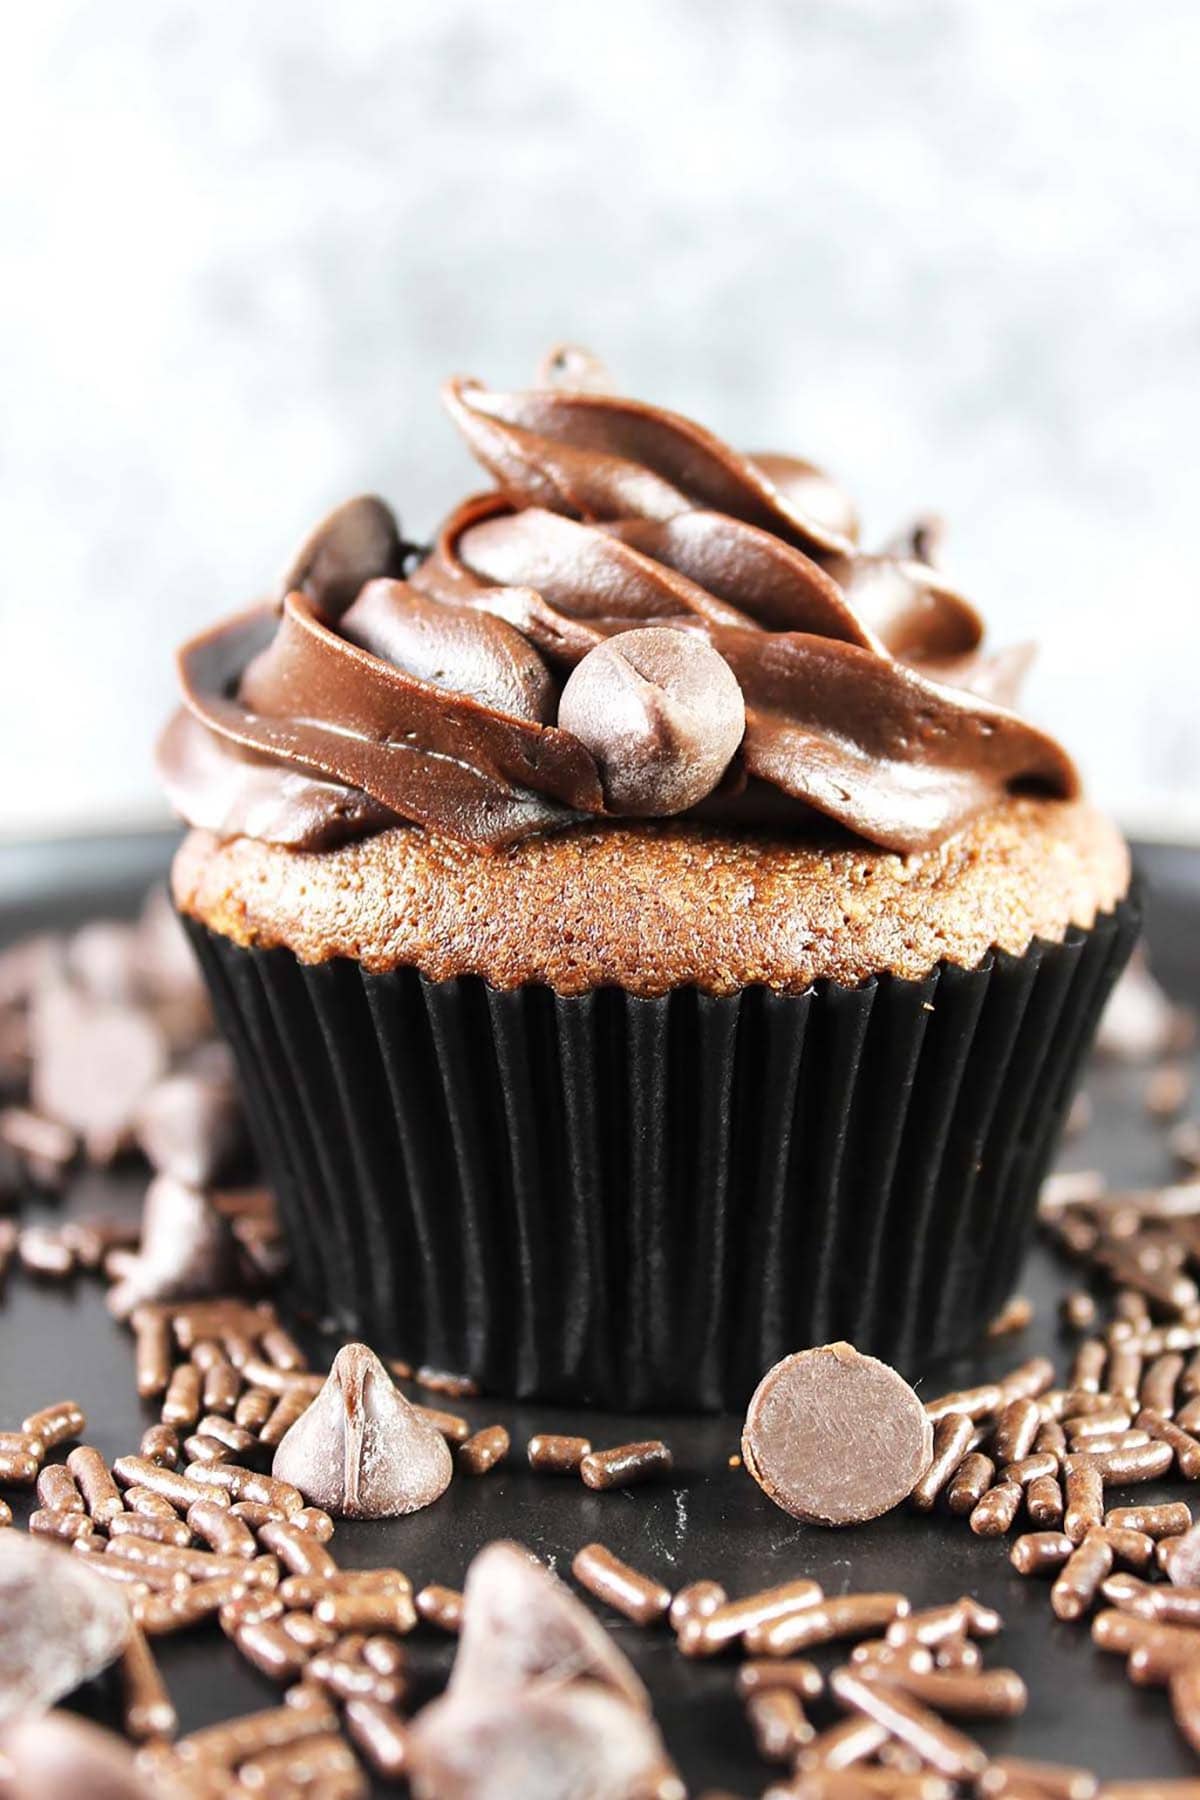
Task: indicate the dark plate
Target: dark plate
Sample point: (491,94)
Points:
(710,1520)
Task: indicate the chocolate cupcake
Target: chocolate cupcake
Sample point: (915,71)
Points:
(650,939)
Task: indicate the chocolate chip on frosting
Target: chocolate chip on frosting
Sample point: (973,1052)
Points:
(835,1437)
(354,543)
(868,696)
(662,713)
(361,1451)
(465,651)
(189,1124)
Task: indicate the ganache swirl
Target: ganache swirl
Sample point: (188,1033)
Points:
(636,621)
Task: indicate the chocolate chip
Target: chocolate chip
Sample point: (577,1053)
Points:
(189,1125)
(361,1450)
(93,1062)
(1167,1090)
(167,966)
(835,1437)
(540,1699)
(453,647)
(103,960)
(44,1758)
(520,1624)
(62,1623)
(550,1741)
(354,543)
(187,1250)
(1139,1021)
(662,713)
(25,965)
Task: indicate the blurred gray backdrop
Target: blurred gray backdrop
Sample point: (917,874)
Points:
(947,247)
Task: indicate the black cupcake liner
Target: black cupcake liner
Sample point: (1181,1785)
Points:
(647,1202)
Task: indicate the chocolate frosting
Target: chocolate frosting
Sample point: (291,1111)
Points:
(776,672)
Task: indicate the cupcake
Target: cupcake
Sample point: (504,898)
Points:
(650,938)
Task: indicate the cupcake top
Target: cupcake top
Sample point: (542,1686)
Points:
(636,621)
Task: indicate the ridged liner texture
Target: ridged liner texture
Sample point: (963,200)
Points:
(645,1203)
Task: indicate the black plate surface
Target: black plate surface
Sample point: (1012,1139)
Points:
(710,1519)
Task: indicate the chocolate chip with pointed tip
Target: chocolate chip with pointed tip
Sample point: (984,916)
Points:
(61,1623)
(662,713)
(354,543)
(188,1251)
(520,1624)
(484,1743)
(166,961)
(361,1451)
(25,965)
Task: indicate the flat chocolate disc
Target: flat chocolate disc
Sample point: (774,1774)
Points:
(835,1437)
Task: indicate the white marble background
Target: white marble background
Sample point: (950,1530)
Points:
(948,247)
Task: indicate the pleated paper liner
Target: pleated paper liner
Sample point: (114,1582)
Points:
(646,1202)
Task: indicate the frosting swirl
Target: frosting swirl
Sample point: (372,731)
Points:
(775,671)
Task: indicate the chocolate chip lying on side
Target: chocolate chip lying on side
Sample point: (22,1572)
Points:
(835,1437)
